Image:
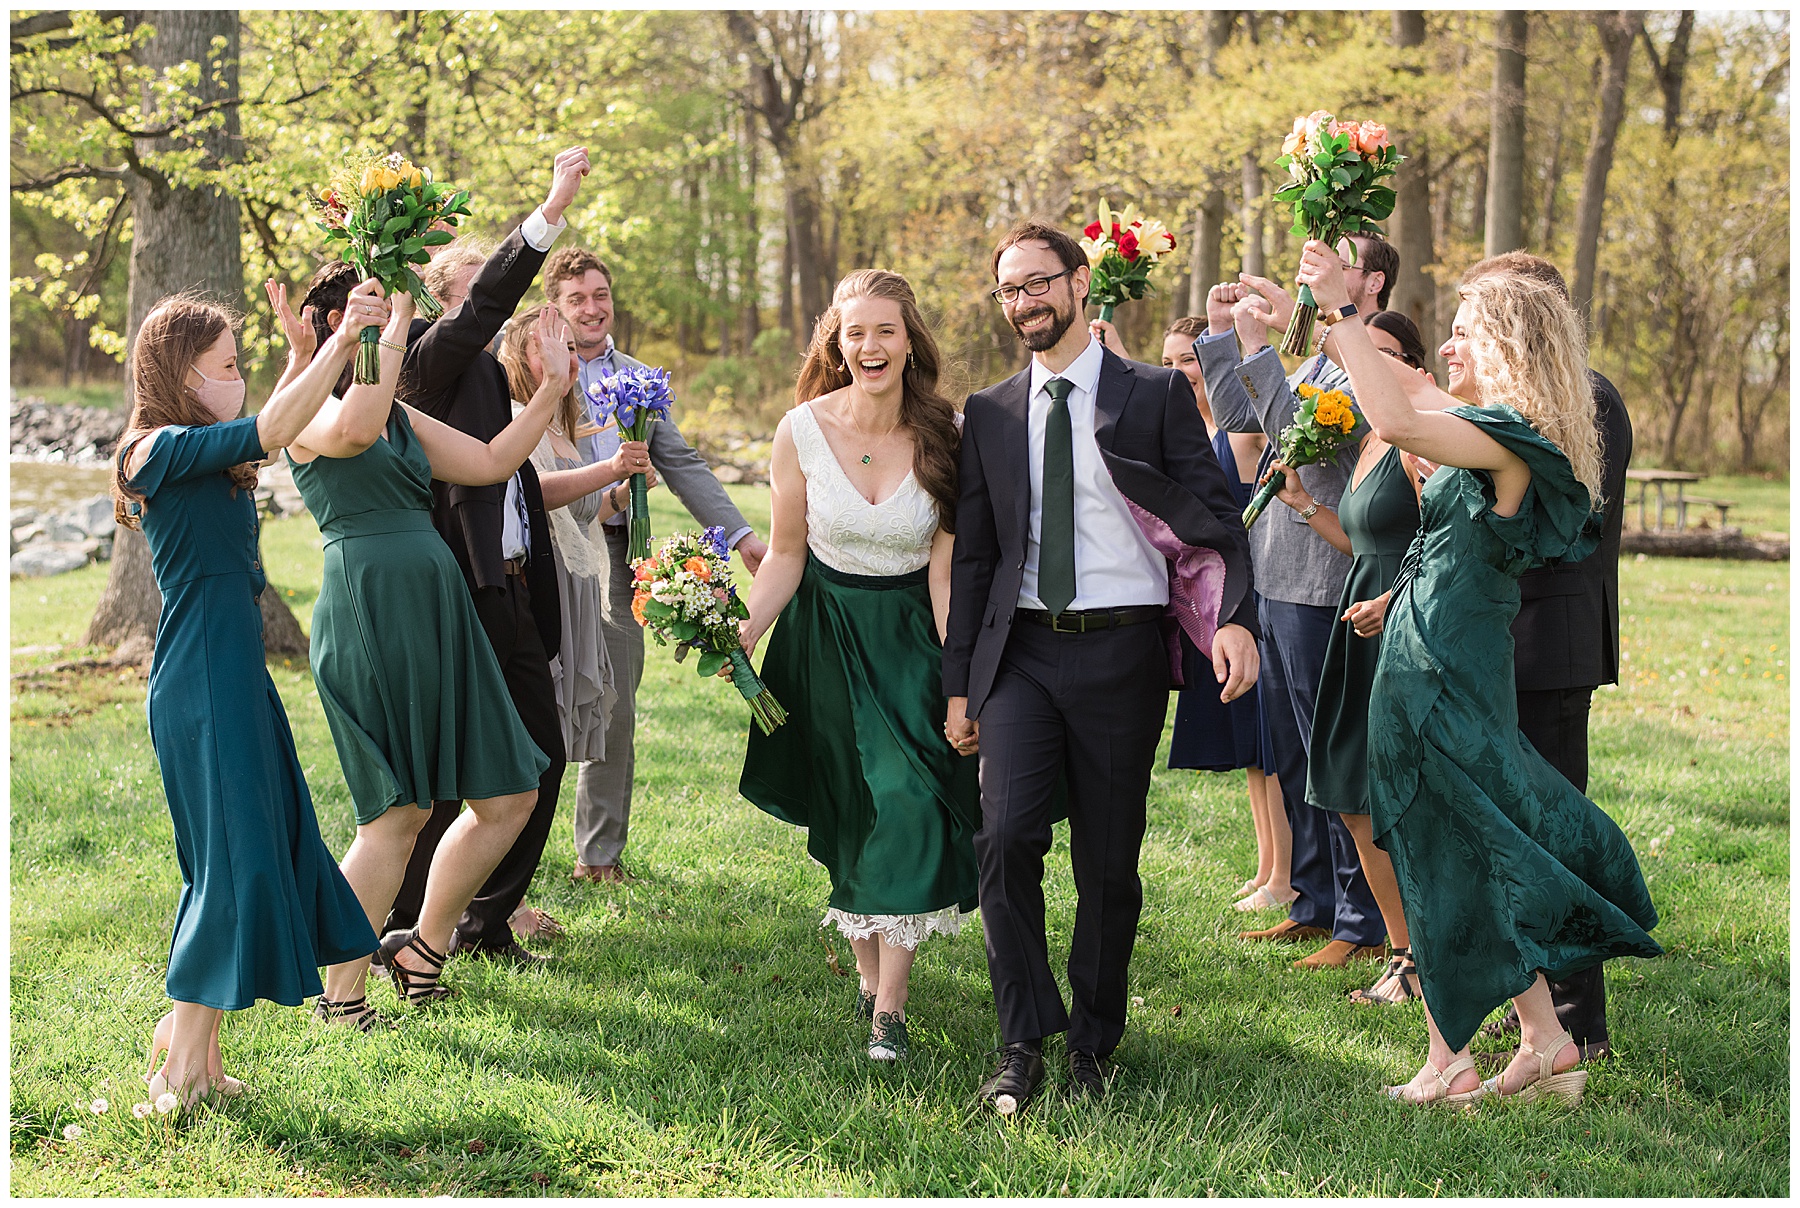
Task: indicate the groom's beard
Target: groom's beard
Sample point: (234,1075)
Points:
(1045,337)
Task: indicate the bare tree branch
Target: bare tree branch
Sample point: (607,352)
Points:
(73,172)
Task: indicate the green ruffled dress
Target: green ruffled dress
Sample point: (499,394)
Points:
(409,682)
(1505,869)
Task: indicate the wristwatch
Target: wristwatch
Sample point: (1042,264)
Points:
(1343,312)
(1307,512)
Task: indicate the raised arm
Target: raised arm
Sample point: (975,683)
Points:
(779,576)
(459,458)
(293,410)
(1403,407)
(302,339)
(346,426)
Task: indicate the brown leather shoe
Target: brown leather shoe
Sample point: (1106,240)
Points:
(1339,953)
(1287,931)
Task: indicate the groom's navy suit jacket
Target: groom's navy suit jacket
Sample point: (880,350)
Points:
(1155,446)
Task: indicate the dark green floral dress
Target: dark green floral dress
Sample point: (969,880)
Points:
(1505,869)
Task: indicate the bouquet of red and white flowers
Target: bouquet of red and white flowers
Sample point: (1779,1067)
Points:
(1122,247)
(1334,171)
(384,211)
(684,594)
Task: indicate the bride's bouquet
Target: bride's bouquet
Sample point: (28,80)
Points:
(634,399)
(1326,422)
(1335,170)
(685,595)
(1122,248)
(386,212)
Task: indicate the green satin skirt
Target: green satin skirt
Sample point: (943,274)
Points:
(890,810)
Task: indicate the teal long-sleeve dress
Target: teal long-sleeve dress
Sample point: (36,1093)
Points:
(1505,868)
(263,904)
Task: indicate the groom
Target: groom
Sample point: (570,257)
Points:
(1082,477)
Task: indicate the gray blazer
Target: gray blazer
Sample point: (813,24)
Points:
(1293,564)
(684,470)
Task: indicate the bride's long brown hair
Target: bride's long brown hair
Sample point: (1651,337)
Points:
(925,413)
(169,341)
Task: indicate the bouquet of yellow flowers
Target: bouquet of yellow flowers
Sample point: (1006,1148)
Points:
(1122,247)
(386,212)
(1326,422)
(1335,170)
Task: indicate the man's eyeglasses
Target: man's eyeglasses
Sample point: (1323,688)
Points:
(1037,287)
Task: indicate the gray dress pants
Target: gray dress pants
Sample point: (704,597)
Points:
(603,786)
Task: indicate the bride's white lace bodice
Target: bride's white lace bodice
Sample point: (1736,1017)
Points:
(846,531)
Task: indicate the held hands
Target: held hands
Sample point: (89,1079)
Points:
(1108,335)
(1236,663)
(302,339)
(963,735)
(1322,269)
(752,549)
(1281,303)
(570,167)
(1366,617)
(1293,494)
(1219,302)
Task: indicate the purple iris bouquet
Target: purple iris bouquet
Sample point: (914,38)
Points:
(634,398)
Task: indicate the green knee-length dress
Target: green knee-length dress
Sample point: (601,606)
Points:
(409,682)
(1380,515)
(1505,868)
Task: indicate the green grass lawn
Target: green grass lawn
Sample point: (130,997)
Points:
(694,1038)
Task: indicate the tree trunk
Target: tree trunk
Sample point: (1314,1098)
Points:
(1618,32)
(1674,307)
(182,238)
(1415,292)
(1255,262)
(1506,144)
(1204,260)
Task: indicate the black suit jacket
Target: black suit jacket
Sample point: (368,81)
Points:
(451,376)
(1156,448)
(1567,632)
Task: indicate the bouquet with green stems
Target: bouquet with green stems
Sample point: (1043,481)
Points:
(386,212)
(1335,170)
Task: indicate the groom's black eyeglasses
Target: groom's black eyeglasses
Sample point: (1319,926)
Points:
(1037,287)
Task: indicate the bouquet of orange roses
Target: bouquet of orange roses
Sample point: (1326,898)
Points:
(1326,422)
(684,594)
(1122,248)
(1335,170)
(386,212)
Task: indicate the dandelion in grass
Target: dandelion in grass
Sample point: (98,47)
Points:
(99,1107)
(141,1110)
(166,1103)
(72,1132)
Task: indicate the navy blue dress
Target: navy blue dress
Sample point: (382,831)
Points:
(1210,736)
(263,904)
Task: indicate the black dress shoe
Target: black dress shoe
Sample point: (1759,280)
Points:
(511,952)
(1020,1074)
(1086,1075)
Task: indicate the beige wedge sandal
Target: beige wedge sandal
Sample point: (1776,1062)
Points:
(1566,1086)
(1443,1096)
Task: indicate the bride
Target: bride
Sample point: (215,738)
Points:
(864,496)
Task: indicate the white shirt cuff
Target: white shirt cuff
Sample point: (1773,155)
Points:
(539,233)
(731,541)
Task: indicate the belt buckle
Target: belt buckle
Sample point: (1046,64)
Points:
(1077,623)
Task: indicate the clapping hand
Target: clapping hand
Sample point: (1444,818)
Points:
(302,340)
(1322,269)
(570,167)
(553,351)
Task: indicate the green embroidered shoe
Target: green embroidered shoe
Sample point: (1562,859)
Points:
(887,1037)
(865,1004)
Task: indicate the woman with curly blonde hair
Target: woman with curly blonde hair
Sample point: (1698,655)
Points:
(1508,874)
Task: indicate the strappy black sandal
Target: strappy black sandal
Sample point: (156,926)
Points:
(1400,966)
(350,1012)
(417,988)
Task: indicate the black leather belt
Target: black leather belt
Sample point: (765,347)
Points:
(513,566)
(1082,620)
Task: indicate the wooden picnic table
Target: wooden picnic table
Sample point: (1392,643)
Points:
(1662,480)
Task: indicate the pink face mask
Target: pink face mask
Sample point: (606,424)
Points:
(224,397)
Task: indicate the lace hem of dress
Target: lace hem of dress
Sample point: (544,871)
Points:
(901,930)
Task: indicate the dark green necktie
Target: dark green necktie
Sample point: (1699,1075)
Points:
(1056,532)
